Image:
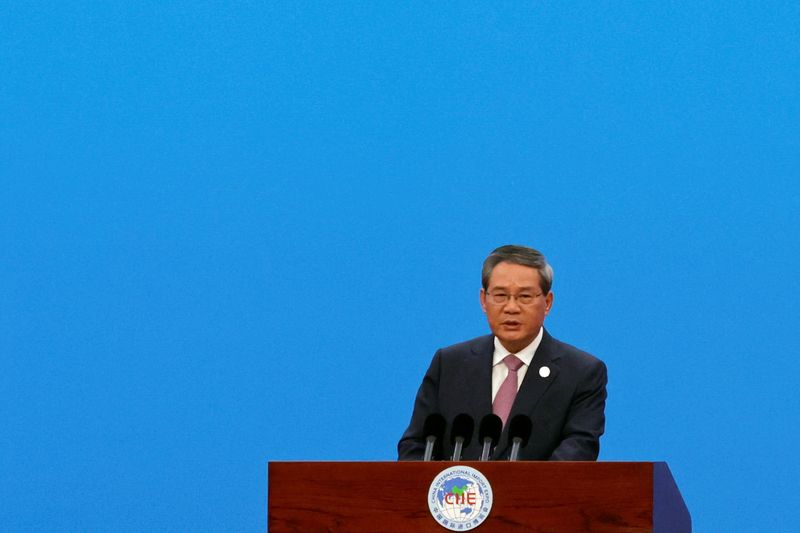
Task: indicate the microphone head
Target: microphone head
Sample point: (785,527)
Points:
(520,427)
(434,426)
(463,426)
(491,427)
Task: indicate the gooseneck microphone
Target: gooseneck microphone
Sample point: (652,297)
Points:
(461,434)
(489,433)
(433,429)
(519,431)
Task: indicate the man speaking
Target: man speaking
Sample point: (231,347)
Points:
(518,370)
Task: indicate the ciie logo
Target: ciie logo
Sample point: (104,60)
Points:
(460,498)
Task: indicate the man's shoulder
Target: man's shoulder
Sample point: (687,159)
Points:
(478,345)
(571,354)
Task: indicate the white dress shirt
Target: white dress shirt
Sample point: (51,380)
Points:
(500,370)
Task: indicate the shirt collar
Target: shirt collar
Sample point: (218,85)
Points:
(525,355)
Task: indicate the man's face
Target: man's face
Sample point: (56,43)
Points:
(515,324)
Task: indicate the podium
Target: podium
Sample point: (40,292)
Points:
(551,497)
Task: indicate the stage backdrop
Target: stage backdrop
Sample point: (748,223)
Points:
(236,234)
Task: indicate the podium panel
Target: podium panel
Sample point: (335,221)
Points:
(546,497)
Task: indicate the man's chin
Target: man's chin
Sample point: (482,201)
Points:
(513,343)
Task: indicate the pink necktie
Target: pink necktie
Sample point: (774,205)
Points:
(508,390)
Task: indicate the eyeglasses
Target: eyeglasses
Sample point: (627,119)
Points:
(501,298)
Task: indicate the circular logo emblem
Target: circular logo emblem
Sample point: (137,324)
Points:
(460,498)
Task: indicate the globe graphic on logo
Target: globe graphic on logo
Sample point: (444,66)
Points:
(460,499)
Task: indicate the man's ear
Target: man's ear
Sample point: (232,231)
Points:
(548,301)
(483,300)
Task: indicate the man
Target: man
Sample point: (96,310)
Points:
(519,369)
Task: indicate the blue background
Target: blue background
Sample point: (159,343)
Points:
(235,234)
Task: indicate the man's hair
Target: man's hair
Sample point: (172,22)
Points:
(518,255)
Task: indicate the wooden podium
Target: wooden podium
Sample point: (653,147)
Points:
(550,497)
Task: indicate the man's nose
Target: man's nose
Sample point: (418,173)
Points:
(512,306)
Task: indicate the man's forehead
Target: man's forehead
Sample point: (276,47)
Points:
(512,274)
(514,285)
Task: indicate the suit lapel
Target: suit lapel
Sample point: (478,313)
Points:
(533,387)
(481,391)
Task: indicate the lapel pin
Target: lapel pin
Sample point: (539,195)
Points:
(544,371)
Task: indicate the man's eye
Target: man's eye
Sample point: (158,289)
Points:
(525,298)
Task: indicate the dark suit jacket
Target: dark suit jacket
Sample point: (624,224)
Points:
(567,408)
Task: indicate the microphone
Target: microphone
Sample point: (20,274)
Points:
(433,429)
(519,431)
(489,433)
(461,434)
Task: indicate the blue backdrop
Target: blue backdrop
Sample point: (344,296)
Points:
(235,234)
